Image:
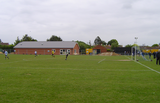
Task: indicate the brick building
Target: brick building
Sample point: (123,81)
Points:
(99,49)
(46,47)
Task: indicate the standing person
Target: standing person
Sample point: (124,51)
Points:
(149,55)
(6,53)
(158,57)
(53,54)
(14,51)
(133,55)
(35,53)
(154,54)
(66,56)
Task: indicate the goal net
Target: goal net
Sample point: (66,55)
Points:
(138,54)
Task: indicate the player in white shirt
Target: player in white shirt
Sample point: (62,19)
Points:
(35,53)
(6,54)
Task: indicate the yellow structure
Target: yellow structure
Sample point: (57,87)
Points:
(152,50)
(88,51)
(146,51)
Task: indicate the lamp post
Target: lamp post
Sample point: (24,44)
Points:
(135,47)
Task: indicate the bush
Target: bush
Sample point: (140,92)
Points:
(108,50)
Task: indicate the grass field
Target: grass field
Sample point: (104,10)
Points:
(80,79)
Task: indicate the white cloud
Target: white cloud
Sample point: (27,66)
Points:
(82,20)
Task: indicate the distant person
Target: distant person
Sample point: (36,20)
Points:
(35,53)
(128,53)
(53,54)
(133,55)
(66,56)
(149,55)
(158,57)
(143,56)
(139,53)
(154,54)
(14,51)
(6,54)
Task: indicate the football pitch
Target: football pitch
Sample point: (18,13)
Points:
(80,79)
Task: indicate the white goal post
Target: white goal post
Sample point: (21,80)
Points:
(138,54)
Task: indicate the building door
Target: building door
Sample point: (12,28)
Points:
(68,51)
(98,51)
(63,51)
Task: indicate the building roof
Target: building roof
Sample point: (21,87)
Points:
(99,47)
(46,44)
(108,46)
(4,43)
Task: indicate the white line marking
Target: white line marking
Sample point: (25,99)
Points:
(128,57)
(148,67)
(145,66)
(10,62)
(101,60)
(80,69)
(26,60)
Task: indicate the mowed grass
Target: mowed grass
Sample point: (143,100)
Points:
(80,79)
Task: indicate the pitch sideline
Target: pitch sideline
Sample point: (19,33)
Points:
(145,66)
(101,60)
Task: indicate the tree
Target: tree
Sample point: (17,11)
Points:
(103,42)
(128,45)
(97,41)
(90,43)
(134,45)
(7,46)
(155,45)
(112,41)
(83,46)
(114,45)
(27,38)
(10,46)
(17,41)
(54,38)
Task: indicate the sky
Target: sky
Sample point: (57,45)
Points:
(81,20)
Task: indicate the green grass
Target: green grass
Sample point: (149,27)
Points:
(80,79)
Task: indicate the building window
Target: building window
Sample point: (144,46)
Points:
(61,51)
(64,51)
(54,50)
(75,51)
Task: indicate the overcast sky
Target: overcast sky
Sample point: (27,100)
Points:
(81,20)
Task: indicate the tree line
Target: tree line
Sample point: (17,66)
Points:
(27,38)
(98,41)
